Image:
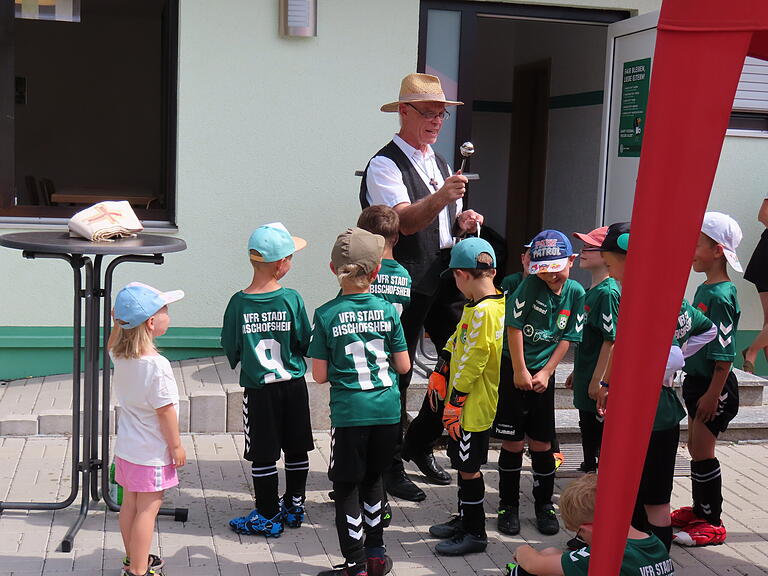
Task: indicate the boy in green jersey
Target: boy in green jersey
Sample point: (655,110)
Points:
(601,308)
(470,399)
(710,389)
(692,331)
(510,282)
(542,319)
(358,346)
(644,554)
(393,282)
(508,286)
(266,331)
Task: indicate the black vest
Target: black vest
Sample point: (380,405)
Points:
(419,253)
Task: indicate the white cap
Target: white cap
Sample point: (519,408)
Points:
(725,231)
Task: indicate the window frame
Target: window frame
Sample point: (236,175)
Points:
(48,216)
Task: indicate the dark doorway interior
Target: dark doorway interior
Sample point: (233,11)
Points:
(528,155)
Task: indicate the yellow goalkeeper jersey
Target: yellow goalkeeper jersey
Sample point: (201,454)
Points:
(475,349)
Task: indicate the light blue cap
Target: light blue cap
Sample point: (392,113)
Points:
(137,302)
(464,254)
(273,242)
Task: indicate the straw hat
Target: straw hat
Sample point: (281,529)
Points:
(419,88)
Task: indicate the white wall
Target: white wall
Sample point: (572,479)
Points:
(740,185)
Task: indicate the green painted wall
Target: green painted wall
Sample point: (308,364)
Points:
(31,351)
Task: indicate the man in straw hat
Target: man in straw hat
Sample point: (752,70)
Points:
(418,184)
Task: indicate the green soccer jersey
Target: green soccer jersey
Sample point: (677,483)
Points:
(644,557)
(268,335)
(601,310)
(690,322)
(508,287)
(545,318)
(475,349)
(393,283)
(510,283)
(356,334)
(717,302)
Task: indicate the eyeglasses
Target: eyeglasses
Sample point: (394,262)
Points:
(443,114)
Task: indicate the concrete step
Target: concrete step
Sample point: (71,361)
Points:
(211,401)
(751,388)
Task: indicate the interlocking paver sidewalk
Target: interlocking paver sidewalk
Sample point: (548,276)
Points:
(215,486)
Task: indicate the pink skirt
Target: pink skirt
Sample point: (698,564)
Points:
(138,478)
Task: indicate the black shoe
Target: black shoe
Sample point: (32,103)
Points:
(446,529)
(546,520)
(576,543)
(386,515)
(400,486)
(344,570)
(462,543)
(509,520)
(587,467)
(426,463)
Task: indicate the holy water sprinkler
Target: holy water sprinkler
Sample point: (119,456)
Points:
(466,150)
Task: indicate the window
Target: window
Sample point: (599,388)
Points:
(88,109)
(750,105)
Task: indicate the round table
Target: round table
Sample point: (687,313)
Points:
(91,298)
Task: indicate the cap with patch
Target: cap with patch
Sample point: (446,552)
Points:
(550,252)
(725,231)
(592,239)
(273,242)
(137,302)
(465,255)
(616,239)
(358,246)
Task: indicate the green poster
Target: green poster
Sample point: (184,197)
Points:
(634,101)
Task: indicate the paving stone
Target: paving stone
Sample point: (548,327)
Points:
(55,421)
(18,425)
(234,407)
(216,485)
(207,409)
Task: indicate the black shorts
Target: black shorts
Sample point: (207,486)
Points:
(694,388)
(757,269)
(470,452)
(276,418)
(522,413)
(359,452)
(659,468)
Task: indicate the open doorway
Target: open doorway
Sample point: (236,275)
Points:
(532,80)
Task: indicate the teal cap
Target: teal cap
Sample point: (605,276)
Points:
(464,254)
(273,242)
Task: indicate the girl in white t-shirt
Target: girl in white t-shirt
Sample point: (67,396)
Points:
(148,448)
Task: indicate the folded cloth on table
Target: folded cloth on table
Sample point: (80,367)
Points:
(105,221)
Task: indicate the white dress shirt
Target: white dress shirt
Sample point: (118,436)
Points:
(385,183)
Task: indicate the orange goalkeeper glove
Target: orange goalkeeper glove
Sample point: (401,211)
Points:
(452,413)
(438,381)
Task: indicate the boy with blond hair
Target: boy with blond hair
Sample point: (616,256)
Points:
(358,346)
(266,331)
(470,400)
(643,553)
